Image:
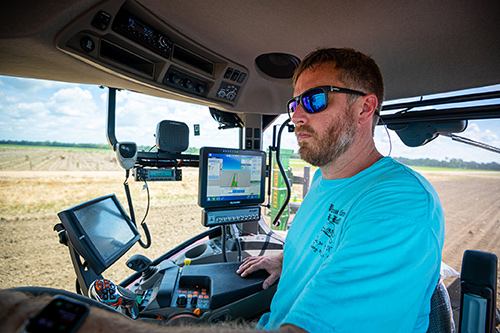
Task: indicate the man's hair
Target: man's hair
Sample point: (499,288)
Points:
(357,71)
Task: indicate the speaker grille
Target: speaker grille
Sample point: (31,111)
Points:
(172,136)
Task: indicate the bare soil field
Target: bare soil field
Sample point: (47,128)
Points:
(36,184)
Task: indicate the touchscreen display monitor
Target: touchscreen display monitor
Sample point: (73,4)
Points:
(100,231)
(231,177)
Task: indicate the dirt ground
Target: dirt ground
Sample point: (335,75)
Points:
(36,184)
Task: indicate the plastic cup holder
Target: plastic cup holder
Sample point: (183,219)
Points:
(196,251)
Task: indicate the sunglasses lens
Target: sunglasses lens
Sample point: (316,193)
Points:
(292,106)
(315,101)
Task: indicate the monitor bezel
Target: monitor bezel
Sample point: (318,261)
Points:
(80,240)
(203,179)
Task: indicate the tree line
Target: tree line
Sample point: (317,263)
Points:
(55,144)
(453,163)
(50,144)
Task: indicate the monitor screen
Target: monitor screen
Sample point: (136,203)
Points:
(231,177)
(100,231)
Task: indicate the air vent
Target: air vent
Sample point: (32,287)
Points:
(125,58)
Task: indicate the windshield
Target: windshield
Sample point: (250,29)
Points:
(54,155)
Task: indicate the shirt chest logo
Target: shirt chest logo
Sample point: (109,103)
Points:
(323,243)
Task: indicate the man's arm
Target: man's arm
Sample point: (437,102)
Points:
(273,265)
(16,307)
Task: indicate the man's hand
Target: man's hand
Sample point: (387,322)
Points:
(272,265)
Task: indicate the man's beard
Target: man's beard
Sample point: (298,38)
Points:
(323,151)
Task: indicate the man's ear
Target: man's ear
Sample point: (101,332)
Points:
(369,106)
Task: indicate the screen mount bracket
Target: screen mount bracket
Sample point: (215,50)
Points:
(85,275)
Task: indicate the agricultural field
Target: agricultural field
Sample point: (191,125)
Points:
(37,183)
(16,158)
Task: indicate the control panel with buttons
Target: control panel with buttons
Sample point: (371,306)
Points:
(234,75)
(192,297)
(179,80)
(130,26)
(134,44)
(215,217)
(105,292)
(228,91)
(101,20)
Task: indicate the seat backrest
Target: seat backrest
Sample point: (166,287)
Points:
(478,292)
(441,316)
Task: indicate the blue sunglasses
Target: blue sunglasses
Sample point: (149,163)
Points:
(315,100)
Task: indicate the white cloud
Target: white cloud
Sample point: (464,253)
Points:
(72,102)
(137,117)
(30,86)
(66,115)
(482,134)
(42,110)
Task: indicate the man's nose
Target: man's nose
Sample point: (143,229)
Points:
(299,117)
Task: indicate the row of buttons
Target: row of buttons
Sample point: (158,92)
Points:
(105,291)
(185,82)
(234,75)
(193,298)
(237,218)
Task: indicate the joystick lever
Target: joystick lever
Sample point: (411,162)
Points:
(141,264)
(106,292)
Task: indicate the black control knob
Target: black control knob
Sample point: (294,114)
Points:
(164,41)
(175,79)
(188,84)
(87,44)
(182,300)
(200,89)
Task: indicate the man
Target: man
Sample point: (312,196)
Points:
(363,253)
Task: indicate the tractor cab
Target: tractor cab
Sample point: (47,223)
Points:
(237,59)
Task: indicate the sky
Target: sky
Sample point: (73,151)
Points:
(39,110)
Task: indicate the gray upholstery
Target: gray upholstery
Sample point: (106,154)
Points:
(441,319)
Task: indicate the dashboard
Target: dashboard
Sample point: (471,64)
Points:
(199,283)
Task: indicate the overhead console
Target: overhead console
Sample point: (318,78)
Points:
(126,40)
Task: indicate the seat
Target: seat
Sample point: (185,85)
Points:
(478,292)
(441,316)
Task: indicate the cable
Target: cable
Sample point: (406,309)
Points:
(129,198)
(277,221)
(143,223)
(388,135)
(132,214)
(224,236)
(236,235)
(147,208)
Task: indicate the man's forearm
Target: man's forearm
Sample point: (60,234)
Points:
(17,307)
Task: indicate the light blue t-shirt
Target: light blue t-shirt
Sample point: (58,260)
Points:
(363,254)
